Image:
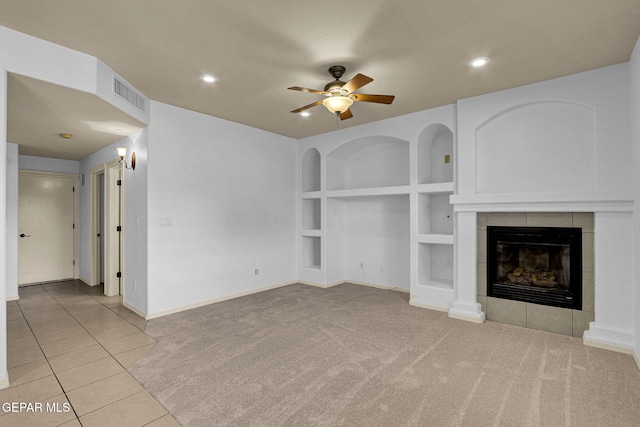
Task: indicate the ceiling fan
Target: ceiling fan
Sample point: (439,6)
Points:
(340,96)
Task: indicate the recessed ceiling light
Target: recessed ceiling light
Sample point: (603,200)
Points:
(208,78)
(305,114)
(479,62)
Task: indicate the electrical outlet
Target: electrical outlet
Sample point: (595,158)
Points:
(257,271)
(135,285)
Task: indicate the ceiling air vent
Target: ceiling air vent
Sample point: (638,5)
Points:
(127,93)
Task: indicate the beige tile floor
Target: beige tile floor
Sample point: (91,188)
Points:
(70,345)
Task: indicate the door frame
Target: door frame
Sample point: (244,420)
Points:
(113,216)
(76,225)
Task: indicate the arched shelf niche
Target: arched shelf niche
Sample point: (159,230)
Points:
(310,170)
(435,154)
(369,162)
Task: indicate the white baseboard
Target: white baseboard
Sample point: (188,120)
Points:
(13,298)
(636,357)
(135,310)
(213,301)
(467,318)
(608,339)
(428,306)
(4,382)
(255,291)
(608,346)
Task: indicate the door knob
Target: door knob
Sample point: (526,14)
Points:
(25,235)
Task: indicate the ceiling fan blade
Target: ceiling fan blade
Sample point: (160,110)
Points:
(304,89)
(380,99)
(306,107)
(346,115)
(357,82)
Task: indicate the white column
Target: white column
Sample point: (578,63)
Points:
(466,306)
(614,304)
(4,375)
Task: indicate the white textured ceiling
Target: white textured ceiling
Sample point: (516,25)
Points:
(417,50)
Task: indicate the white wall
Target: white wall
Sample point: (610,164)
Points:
(12,221)
(634,73)
(229,191)
(376,234)
(573,129)
(135,212)
(4,376)
(44,164)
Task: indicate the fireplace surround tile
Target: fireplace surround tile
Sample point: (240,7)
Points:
(567,321)
(549,219)
(584,220)
(550,319)
(482,279)
(588,261)
(581,320)
(588,291)
(507,311)
(507,219)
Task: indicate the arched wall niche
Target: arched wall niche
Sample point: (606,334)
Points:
(310,170)
(546,146)
(435,154)
(368,162)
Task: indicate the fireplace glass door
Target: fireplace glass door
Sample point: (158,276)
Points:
(541,265)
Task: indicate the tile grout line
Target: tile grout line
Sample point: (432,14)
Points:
(58,303)
(47,359)
(110,355)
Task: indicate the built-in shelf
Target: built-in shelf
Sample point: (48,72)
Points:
(311,214)
(435,265)
(438,187)
(368,192)
(440,284)
(311,195)
(311,233)
(439,239)
(311,252)
(435,154)
(369,162)
(435,214)
(310,171)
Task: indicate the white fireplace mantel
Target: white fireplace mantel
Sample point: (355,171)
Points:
(596,201)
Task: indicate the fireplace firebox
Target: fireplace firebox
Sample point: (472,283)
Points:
(541,265)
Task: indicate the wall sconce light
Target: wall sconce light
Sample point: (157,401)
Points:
(122,152)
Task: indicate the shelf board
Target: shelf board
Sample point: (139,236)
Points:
(365,192)
(438,283)
(436,238)
(312,267)
(436,187)
(311,194)
(311,233)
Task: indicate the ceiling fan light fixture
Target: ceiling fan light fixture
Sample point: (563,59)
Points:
(337,104)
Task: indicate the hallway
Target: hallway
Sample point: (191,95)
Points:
(69,346)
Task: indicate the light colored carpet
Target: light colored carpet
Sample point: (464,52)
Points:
(358,356)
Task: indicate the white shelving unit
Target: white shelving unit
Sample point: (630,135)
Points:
(369,196)
(311,211)
(435,225)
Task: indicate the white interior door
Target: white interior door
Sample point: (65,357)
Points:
(112,246)
(46,205)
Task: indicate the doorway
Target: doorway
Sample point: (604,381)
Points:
(107,245)
(47,218)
